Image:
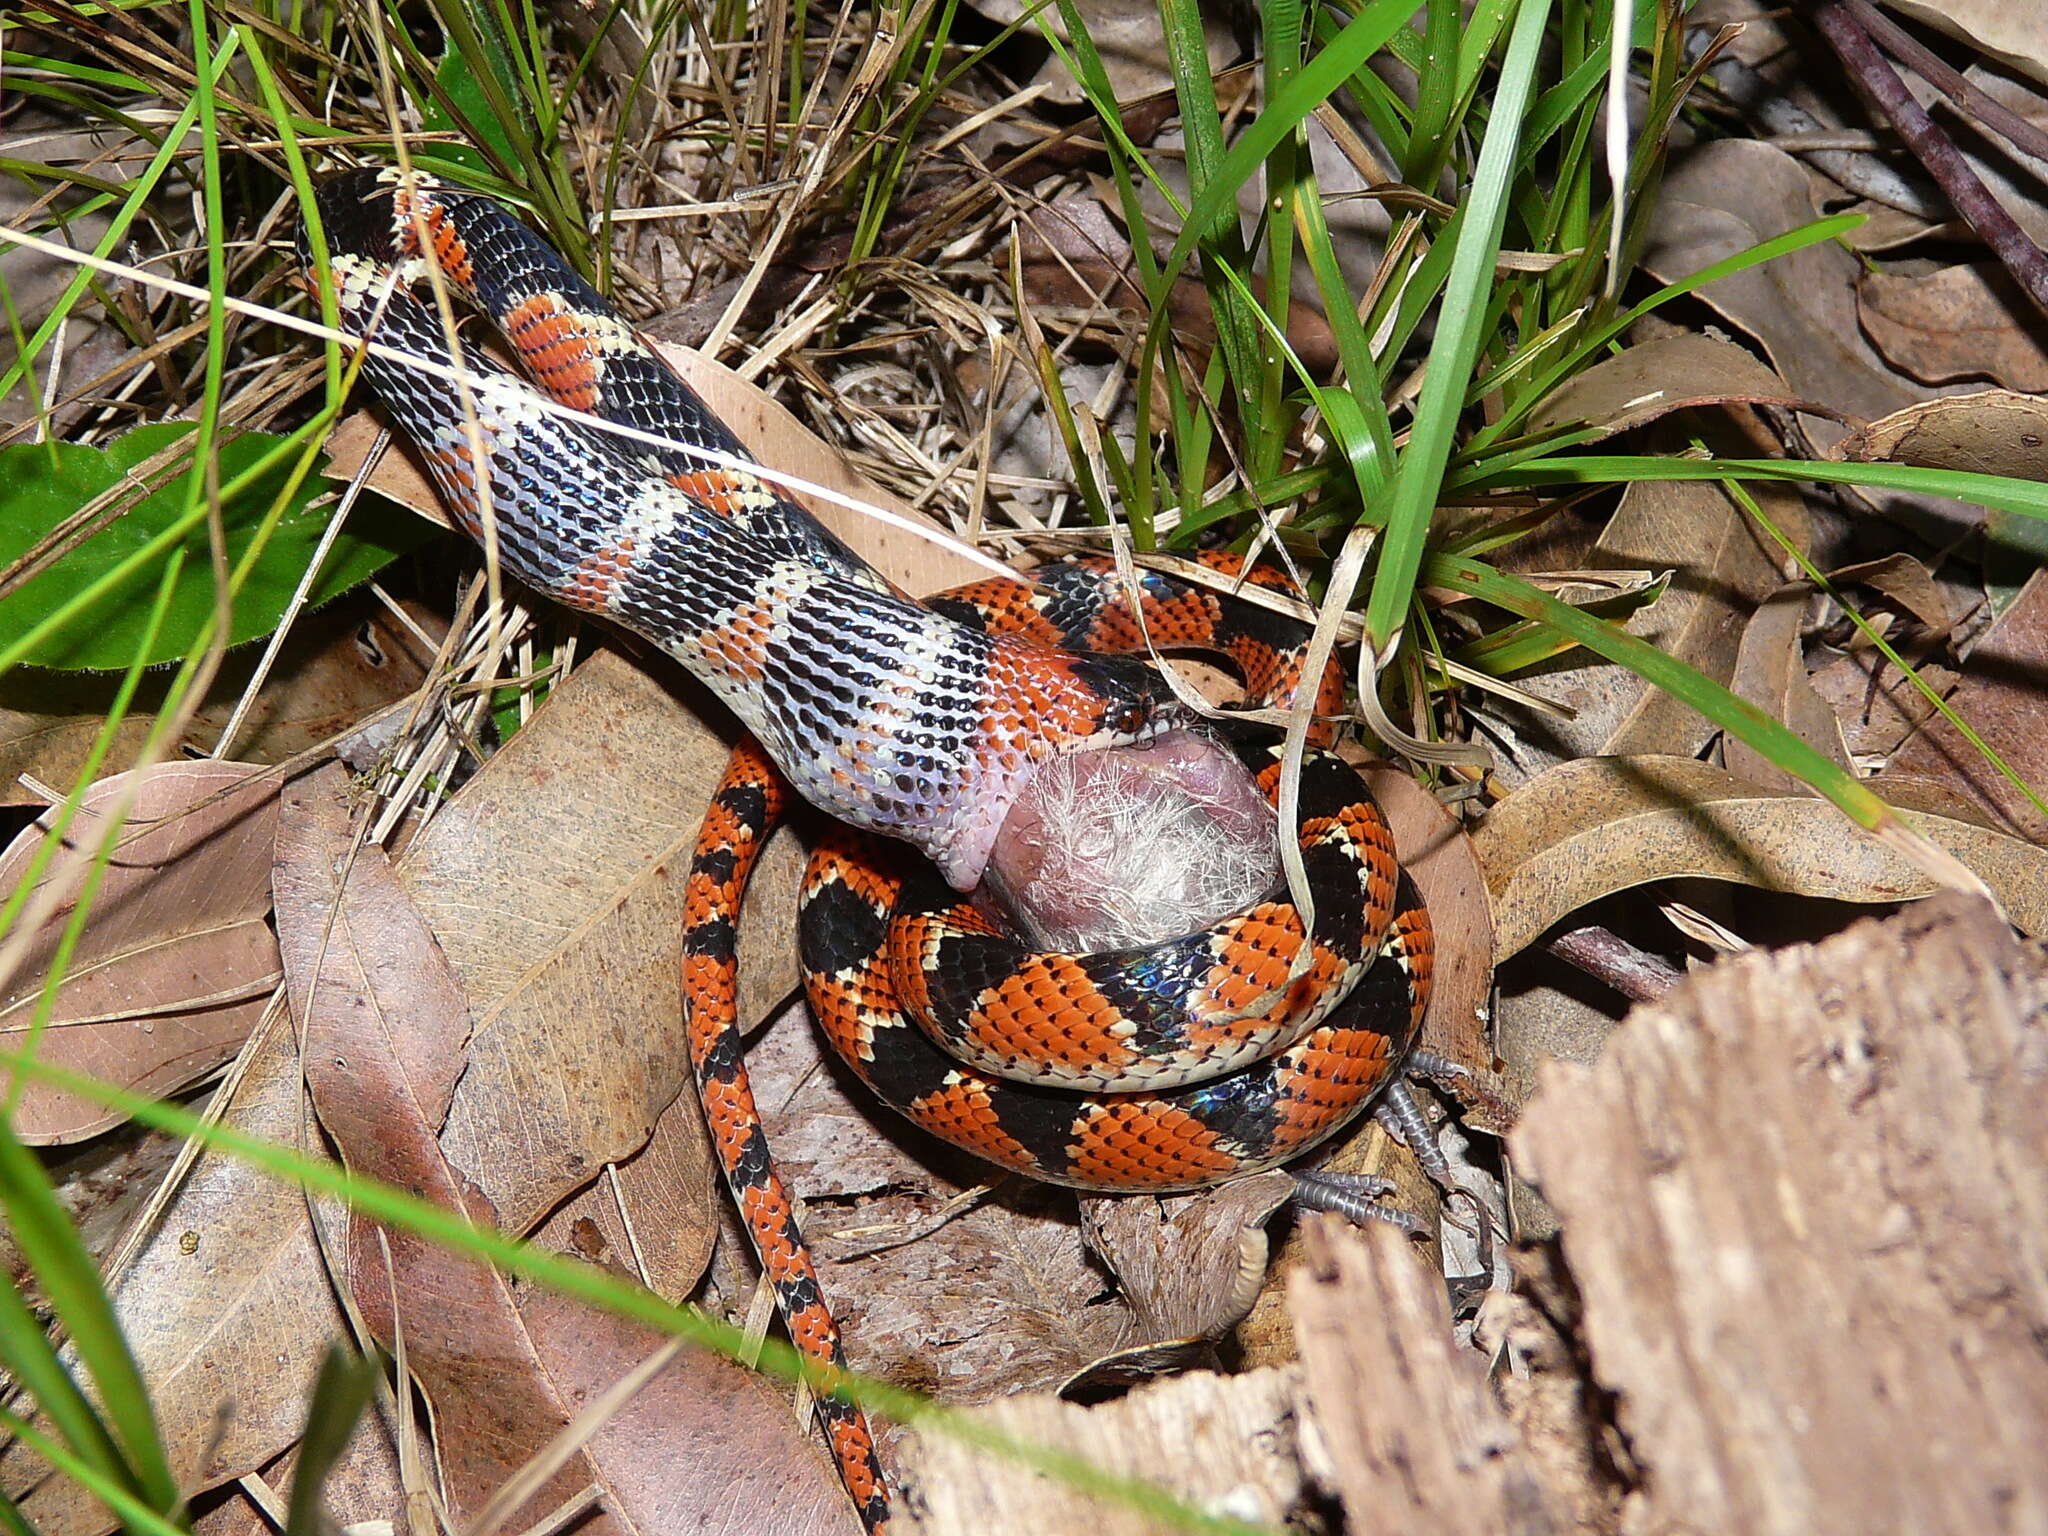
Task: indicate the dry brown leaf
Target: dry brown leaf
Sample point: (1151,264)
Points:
(1437,852)
(1723,565)
(176,962)
(1655,378)
(1589,828)
(1722,198)
(2004,686)
(1770,672)
(2017,34)
(1993,432)
(1807,1188)
(1967,321)
(553,883)
(654,1216)
(385,1023)
(365,1484)
(1906,582)
(226,1304)
(339,665)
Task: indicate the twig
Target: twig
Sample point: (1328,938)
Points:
(1636,974)
(1969,98)
(1839,22)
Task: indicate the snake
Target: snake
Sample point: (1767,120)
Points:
(595,475)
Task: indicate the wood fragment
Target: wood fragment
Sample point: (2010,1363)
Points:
(1397,1417)
(1805,1201)
(1224,1444)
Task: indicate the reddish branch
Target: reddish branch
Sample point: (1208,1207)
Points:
(1844,24)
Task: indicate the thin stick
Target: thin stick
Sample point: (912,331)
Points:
(1839,22)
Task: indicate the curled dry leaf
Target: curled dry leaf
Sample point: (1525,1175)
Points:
(1587,829)
(1437,852)
(175,963)
(1770,672)
(385,1024)
(1658,377)
(1992,432)
(1969,321)
(1902,580)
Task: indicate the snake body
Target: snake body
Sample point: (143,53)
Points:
(1171,1067)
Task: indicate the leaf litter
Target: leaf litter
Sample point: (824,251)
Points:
(540,886)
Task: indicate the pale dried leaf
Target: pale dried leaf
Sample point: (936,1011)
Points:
(1726,196)
(562,913)
(1590,828)
(175,963)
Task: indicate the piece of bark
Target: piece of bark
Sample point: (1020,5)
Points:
(1398,1419)
(1805,1201)
(1223,1444)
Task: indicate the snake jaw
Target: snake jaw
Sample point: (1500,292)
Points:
(1053,704)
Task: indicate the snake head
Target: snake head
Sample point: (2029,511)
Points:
(1044,703)
(1134,703)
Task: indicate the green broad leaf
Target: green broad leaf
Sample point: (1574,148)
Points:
(42,485)
(473,115)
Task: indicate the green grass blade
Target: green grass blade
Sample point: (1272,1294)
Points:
(1775,741)
(132,1512)
(31,1362)
(71,1280)
(340,1393)
(1417,482)
(2023,498)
